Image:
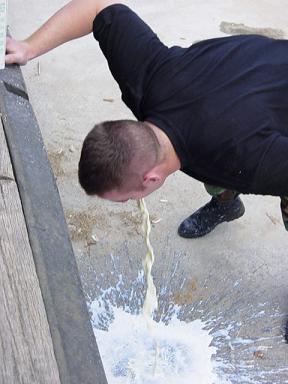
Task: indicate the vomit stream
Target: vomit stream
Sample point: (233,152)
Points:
(151,301)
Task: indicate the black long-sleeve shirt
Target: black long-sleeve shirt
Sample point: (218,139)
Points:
(222,102)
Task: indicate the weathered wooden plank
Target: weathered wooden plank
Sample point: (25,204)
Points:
(26,350)
(5,163)
(73,339)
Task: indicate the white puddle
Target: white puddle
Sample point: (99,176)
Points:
(187,354)
(135,349)
(128,351)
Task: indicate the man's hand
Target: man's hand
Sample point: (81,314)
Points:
(74,20)
(17,52)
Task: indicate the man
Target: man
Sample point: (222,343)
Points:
(216,110)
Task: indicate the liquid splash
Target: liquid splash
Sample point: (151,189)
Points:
(128,351)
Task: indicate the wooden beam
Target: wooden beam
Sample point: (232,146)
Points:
(74,343)
(26,349)
(6,171)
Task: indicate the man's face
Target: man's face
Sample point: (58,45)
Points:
(120,196)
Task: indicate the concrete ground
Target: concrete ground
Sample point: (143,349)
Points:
(235,278)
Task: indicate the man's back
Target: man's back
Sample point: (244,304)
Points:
(222,102)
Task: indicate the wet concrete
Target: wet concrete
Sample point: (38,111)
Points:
(242,29)
(235,278)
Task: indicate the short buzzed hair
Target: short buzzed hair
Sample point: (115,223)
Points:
(116,155)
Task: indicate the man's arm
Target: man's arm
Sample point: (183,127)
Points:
(74,20)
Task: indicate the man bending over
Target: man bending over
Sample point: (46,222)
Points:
(217,110)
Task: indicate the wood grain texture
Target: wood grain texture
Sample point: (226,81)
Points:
(26,350)
(5,164)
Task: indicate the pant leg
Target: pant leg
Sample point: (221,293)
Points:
(214,190)
(284,210)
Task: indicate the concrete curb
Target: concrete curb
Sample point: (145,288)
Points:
(73,339)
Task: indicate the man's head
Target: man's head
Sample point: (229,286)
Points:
(119,160)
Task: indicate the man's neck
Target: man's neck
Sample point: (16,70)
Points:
(169,160)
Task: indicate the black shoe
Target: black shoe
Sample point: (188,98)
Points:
(209,216)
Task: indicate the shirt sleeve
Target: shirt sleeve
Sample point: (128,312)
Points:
(131,49)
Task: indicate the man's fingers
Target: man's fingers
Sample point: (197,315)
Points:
(11,58)
(8,40)
(15,58)
(10,44)
(15,52)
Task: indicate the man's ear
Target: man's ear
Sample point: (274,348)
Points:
(151,177)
